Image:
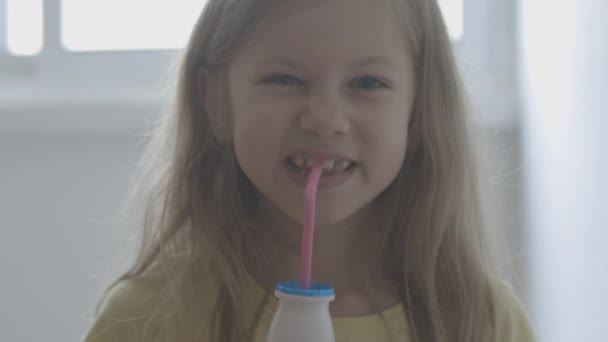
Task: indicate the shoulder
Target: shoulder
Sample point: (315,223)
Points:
(149,308)
(133,297)
(511,323)
(132,310)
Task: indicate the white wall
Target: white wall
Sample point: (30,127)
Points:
(564,58)
(61,237)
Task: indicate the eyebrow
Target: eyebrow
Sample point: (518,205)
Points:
(362,62)
(357,64)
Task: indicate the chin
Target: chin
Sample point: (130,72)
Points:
(332,217)
(325,216)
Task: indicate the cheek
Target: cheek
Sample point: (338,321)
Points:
(385,143)
(387,130)
(253,136)
(259,130)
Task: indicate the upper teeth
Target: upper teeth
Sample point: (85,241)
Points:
(327,164)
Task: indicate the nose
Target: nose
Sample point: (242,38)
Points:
(325,117)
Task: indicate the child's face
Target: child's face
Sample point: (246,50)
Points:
(299,85)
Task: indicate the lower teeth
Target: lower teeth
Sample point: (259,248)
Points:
(306,170)
(324,173)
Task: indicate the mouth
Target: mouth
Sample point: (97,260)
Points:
(331,166)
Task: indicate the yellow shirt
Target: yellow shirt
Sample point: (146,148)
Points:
(131,314)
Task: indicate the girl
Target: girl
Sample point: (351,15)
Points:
(369,88)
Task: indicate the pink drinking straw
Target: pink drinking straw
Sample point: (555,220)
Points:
(310,194)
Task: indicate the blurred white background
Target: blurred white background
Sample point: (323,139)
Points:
(81,82)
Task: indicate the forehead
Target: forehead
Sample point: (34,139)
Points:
(340,31)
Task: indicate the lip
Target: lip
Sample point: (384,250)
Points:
(320,156)
(326,182)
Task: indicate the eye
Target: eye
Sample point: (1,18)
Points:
(283,80)
(368,82)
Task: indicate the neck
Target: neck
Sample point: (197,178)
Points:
(347,255)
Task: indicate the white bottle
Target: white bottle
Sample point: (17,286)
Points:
(303,314)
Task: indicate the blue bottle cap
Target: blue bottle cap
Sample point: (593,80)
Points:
(293,287)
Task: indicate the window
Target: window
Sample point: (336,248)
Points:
(118,25)
(23,27)
(127,24)
(452,15)
(109,25)
(117,52)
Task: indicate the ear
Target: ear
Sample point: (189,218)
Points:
(211,97)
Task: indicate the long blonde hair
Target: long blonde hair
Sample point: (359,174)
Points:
(197,197)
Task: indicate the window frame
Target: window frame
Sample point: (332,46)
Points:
(29,84)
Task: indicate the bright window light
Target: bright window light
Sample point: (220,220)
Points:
(24,27)
(127,24)
(452,14)
(130,24)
